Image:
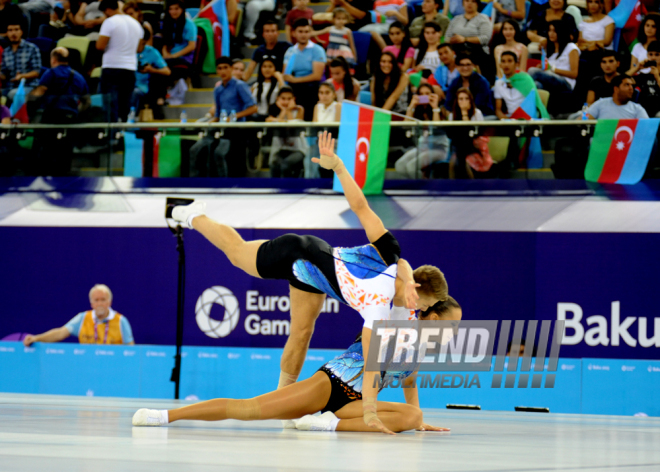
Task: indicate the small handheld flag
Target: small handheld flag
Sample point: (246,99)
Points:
(18,108)
(363,145)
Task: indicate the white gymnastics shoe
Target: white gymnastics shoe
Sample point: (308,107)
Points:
(289,424)
(145,417)
(325,422)
(186,213)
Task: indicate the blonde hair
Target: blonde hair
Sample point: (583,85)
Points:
(101,287)
(432,282)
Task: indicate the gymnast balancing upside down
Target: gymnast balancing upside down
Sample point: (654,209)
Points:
(368,278)
(335,389)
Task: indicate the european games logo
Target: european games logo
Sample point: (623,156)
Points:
(223,297)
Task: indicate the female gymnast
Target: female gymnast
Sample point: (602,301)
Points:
(368,278)
(335,390)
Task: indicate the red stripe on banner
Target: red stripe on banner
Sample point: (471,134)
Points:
(616,157)
(362,145)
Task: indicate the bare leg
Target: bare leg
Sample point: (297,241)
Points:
(303,398)
(396,417)
(305,309)
(241,253)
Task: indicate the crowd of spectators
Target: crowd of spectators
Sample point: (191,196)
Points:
(461,58)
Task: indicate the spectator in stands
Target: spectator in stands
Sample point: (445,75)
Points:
(391,10)
(132,8)
(304,64)
(253,9)
(119,39)
(237,68)
(601,86)
(358,9)
(620,105)
(61,88)
(327,110)
(179,40)
(266,88)
(426,54)
(344,84)
(272,48)
(9,13)
(59,95)
(649,91)
(34,7)
(462,144)
(471,80)
(538,29)
(340,43)
(21,60)
(88,17)
(431,14)
(648,31)
(563,61)
(388,85)
(510,34)
(228,159)
(597,29)
(424,106)
(505,93)
(100,325)
(472,32)
(150,78)
(300,11)
(465,107)
(288,149)
(401,45)
(448,70)
(511,10)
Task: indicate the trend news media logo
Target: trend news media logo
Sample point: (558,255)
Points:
(485,346)
(222,296)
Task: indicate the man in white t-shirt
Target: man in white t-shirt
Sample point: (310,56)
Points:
(119,39)
(503,91)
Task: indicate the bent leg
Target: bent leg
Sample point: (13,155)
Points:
(241,253)
(303,398)
(396,417)
(305,309)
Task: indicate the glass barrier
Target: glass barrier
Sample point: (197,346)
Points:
(417,150)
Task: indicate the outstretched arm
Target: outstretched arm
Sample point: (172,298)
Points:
(371,223)
(52,336)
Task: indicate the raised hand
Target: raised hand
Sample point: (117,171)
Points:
(328,159)
(411,295)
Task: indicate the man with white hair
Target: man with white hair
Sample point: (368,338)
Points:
(100,325)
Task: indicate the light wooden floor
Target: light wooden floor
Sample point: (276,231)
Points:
(60,433)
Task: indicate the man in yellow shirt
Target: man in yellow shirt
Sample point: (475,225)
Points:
(100,325)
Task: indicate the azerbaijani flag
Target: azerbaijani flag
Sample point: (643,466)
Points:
(529,109)
(18,109)
(620,150)
(363,145)
(216,11)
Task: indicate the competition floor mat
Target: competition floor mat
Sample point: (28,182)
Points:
(66,433)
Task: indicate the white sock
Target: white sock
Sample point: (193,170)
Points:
(190,219)
(333,425)
(164,417)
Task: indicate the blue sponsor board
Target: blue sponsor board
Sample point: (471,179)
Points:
(607,280)
(597,386)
